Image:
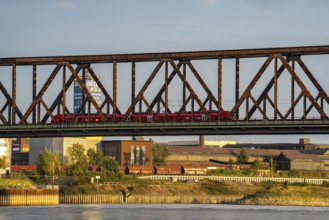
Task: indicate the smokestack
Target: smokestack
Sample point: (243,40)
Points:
(201,141)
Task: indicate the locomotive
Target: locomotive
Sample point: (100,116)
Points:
(145,117)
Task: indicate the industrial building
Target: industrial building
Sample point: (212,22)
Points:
(137,153)
(293,160)
(129,152)
(59,145)
(303,144)
(20,151)
(288,156)
(205,143)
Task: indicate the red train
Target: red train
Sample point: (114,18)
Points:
(146,117)
(166,170)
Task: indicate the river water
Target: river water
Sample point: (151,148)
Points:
(162,211)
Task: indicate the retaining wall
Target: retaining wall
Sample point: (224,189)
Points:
(90,198)
(184,199)
(148,199)
(28,197)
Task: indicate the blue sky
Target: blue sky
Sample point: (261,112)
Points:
(76,27)
(62,27)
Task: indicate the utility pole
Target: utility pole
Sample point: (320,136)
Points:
(53,172)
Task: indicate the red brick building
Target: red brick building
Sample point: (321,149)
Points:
(129,152)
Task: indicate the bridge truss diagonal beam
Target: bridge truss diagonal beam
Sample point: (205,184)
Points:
(305,91)
(191,89)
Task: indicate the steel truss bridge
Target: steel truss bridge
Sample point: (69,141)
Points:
(271,91)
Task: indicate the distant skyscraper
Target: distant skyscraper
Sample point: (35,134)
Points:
(93,88)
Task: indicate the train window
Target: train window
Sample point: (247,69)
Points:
(149,118)
(204,118)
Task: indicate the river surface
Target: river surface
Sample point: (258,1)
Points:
(162,211)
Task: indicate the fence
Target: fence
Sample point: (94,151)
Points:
(238,179)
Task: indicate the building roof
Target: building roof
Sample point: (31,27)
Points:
(117,141)
(322,145)
(318,151)
(138,138)
(296,155)
(224,151)
(265,145)
(183,143)
(315,155)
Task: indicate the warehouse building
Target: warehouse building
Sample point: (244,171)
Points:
(129,152)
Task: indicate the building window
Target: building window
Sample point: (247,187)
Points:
(137,155)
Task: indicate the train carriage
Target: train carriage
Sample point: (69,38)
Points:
(145,117)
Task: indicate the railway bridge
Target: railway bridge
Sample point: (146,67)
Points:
(263,91)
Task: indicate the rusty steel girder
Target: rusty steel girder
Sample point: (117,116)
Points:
(173,65)
(145,57)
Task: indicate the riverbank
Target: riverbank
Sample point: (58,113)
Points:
(210,192)
(146,199)
(289,195)
(186,192)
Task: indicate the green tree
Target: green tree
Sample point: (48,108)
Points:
(256,165)
(111,165)
(48,164)
(296,173)
(230,161)
(160,154)
(243,156)
(3,162)
(95,157)
(272,166)
(77,159)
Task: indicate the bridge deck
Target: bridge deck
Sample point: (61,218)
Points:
(184,128)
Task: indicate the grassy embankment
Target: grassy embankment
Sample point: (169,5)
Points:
(266,193)
(289,195)
(250,193)
(143,187)
(6,183)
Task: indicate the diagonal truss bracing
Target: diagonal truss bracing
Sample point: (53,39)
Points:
(264,96)
(172,68)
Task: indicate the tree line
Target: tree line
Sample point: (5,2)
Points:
(76,161)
